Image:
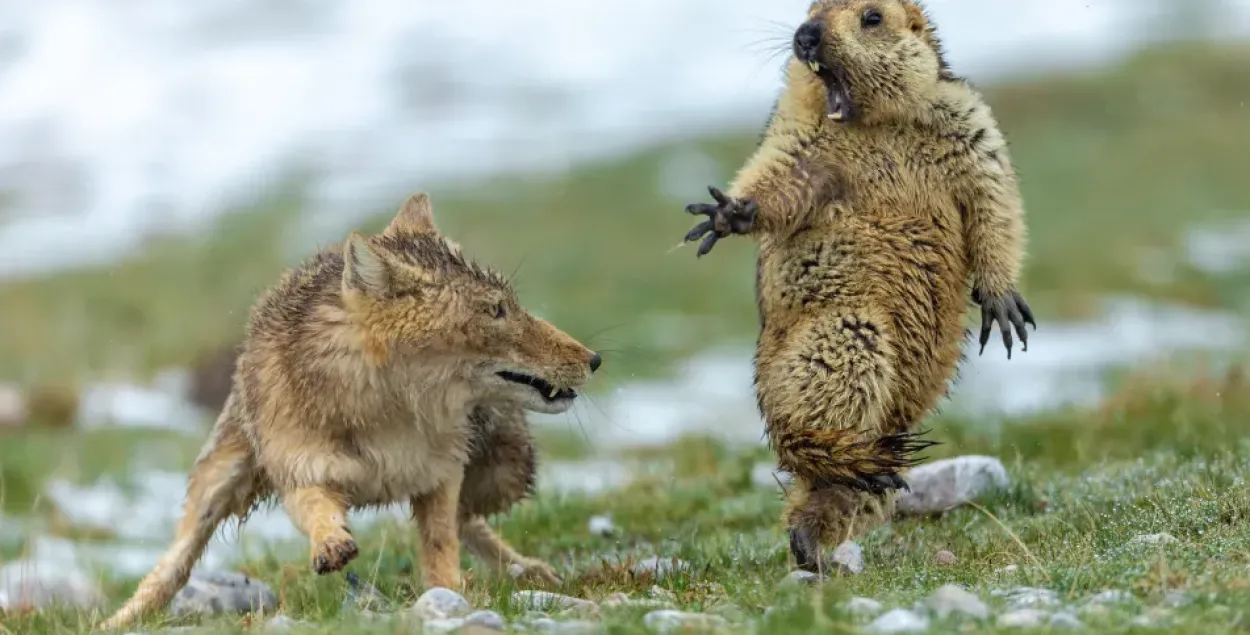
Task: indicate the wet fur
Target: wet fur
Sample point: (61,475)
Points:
(367,378)
(870,232)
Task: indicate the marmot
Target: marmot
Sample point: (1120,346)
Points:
(390,369)
(881,187)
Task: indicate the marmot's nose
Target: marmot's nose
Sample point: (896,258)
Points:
(807,38)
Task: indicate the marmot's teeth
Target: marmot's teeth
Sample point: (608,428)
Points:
(815,66)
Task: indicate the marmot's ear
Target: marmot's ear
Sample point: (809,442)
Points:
(364,268)
(416,217)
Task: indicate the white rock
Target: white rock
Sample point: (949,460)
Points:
(1153,539)
(668,621)
(572,627)
(442,625)
(850,556)
(440,603)
(1023,618)
(486,619)
(545,600)
(949,483)
(282,623)
(12,406)
(1065,621)
(898,621)
(864,607)
(659,567)
(1009,569)
(952,599)
(1112,596)
(601,526)
(1028,597)
(216,592)
(799,576)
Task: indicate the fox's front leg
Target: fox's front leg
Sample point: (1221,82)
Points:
(322,516)
(437,515)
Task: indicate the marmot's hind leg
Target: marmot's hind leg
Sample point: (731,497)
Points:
(820,519)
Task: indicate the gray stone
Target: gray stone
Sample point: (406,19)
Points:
(622,600)
(659,567)
(669,621)
(282,623)
(572,627)
(441,625)
(364,596)
(864,607)
(1113,596)
(849,557)
(218,592)
(952,599)
(898,621)
(1153,539)
(601,526)
(440,603)
(949,483)
(1023,618)
(799,576)
(1028,597)
(945,558)
(1065,621)
(546,601)
(486,619)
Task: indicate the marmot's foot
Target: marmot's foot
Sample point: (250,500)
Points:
(727,216)
(805,549)
(534,570)
(1009,309)
(334,552)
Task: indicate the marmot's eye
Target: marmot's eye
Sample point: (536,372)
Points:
(871,17)
(498,311)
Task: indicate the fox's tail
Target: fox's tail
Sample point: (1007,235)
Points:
(220,484)
(826,458)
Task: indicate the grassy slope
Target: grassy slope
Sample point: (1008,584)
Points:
(1114,168)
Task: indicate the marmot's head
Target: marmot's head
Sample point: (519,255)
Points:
(870,56)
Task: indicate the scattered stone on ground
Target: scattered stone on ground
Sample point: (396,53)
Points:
(945,558)
(849,557)
(1153,539)
(621,599)
(440,603)
(1011,568)
(659,567)
(951,599)
(36,584)
(864,607)
(801,576)
(602,526)
(941,485)
(1112,596)
(485,619)
(1065,621)
(898,621)
(572,627)
(669,621)
(1023,618)
(12,406)
(364,596)
(545,601)
(1027,597)
(660,593)
(441,625)
(217,592)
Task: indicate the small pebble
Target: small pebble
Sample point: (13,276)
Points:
(1023,618)
(944,558)
(849,556)
(545,601)
(800,576)
(951,599)
(898,621)
(1066,621)
(668,621)
(601,526)
(440,603)
(864,607)
(1153,539)
(1011,568)
(1113,596)
(364,596)
(281,623)
(485,619)
(659,567)
(1028,597)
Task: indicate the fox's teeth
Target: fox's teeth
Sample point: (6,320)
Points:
(554,392)
(815,66)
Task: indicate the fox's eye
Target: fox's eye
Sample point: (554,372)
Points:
(871,17)
(498,311)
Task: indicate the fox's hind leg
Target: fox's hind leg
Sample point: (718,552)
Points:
(500,473)
(322,516)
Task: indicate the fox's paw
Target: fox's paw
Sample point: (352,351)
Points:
(1009,310)
(534,570)
(334,553)
(728,216)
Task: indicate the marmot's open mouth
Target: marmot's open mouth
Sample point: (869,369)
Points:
(838,96)
(547,391)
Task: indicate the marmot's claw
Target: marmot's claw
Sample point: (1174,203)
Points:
(727,216)
(1009,310)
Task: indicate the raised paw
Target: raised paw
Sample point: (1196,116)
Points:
(533,570)
(805,549)
(728,216)
(1010,310)
(882,483)
(334,553)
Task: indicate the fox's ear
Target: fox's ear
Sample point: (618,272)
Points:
(415,217)
(364,269)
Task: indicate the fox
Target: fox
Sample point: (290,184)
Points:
(390,368)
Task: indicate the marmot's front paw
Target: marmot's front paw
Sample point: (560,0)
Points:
(334,553)
(534,570)
(727,216)
(1010,310)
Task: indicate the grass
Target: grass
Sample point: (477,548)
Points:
(1116,164)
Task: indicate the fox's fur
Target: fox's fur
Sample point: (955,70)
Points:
(870,222)
(369,375)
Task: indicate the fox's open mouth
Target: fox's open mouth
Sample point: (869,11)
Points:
(548,392)
(838,96)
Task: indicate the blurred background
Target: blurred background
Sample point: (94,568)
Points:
(160,163)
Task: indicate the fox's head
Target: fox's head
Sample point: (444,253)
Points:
(413,292)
